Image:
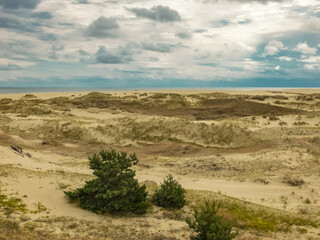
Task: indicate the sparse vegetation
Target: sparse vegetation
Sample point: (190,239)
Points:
(251,216)
(157,130)
(12,204)
(10,230)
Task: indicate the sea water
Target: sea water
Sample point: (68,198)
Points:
(70,89)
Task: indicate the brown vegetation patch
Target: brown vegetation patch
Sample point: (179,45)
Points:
(29,96)
(206,106)
(293,181)
(241,108)
(263,97)
(27,107)
(209,109)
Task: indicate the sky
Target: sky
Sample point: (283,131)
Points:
(160,43)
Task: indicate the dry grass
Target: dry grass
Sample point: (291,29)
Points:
(246,215)
(194,107)
(27,107)
(11,230)
(155,130)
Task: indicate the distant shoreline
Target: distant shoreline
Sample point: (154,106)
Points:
(47,93)
(9,90)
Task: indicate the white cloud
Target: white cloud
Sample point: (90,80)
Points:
(6,61)
(311,63)
(313,25)
(305,49)
(284,58)
(312,59)
(277,68)
(312,67)
(273,48)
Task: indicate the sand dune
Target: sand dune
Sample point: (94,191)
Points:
(251,160)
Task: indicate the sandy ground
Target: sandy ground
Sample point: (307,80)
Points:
(255,174)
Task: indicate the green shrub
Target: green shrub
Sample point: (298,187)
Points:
(114,189)
(209,225)
(170,195)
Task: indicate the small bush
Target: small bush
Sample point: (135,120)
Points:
(209,225)
(300,123)
(307,201)
(260,98)
(302,230)
(170,195)
(273,118)
(282,123)
(114,189)
(293,181)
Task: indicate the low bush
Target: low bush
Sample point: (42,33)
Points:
(114,189)
(170,195)
(209,224)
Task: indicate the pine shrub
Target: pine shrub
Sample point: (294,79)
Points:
(209,225)
(114,189)
(170,195)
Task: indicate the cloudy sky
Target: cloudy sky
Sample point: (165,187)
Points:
(153,43)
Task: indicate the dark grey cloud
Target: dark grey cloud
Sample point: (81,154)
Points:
(9,66)
(153,59)
(82,2)
(103,28)
(41,15)
(224,22)
(17,4)
(258,1)
(103,56)
(17,24)
(48,37)
(158,13)
(220,23)
(115,56)
(246,21)
(27,25)
(245,1)
(83,52)
(18,47)
(57,48)
(129,49)
(184,35)
(53,54)
(200,30)
(158,47)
